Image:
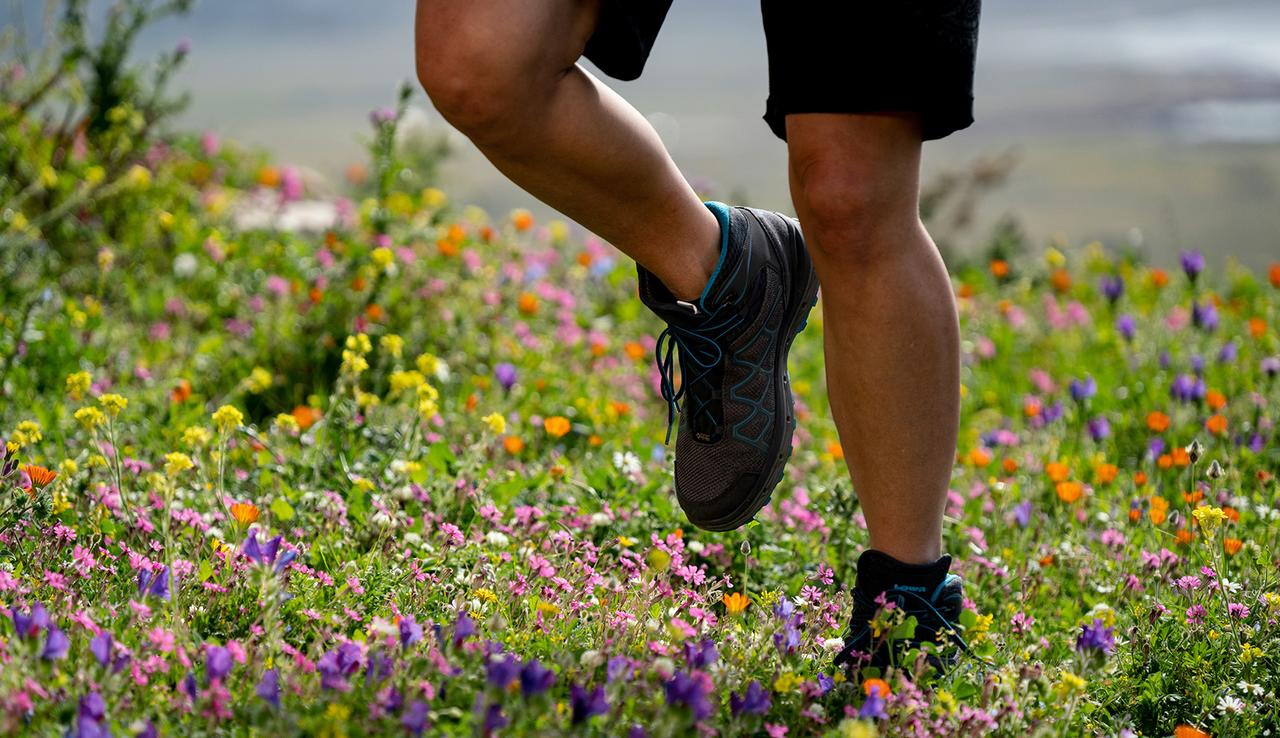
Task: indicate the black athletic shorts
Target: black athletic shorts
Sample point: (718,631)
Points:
(839,56)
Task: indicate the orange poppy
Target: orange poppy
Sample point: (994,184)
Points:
(1215,399)
(1183,537)
(446,247)
(1046,560)
(1157,421)
(527,303)
(872,684)
(1069,492)
(585,258)
(269,177)
(735,603)
(472,401)
(1192,498)
(1181,457)
(1140,479)
(1009,465)
(979,457)
(835,449)
(1274,274)
(1060,279)
(635,350)
(964,290)
(1216,424)
(1135,514)
(306,416)
(1159,277)
(40,476)
(512,445)
(1106,472)
(1186,731)
(1057,471)
(245,513)
(556,426)
(1257,327)
(522,220)
(999,268)
(181,392)
(1232,546)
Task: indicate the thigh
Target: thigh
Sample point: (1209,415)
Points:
(865,57)
(533,37)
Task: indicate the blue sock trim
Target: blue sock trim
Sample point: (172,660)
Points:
(721,211)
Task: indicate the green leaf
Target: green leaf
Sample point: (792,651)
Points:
(906,630)
(282,510)
(206,571)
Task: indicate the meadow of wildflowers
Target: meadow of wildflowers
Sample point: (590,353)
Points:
(405,476)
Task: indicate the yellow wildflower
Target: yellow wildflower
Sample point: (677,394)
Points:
(286,422)
(383,257)
(353,363)
(114,404)
(227,418)
(1209,519)
(404,380)
(90,417)
(258,381)
(77,384)
(496,423)
(27,433)
(177,462)
(392,344)
(359,343)
(196,436)
(1070,684)
(786,681)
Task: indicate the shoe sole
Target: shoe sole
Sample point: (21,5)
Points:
(801,299)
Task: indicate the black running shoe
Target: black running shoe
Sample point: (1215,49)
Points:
(928,592)
(734,400)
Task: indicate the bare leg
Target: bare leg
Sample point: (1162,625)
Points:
(504,73)
(891,331)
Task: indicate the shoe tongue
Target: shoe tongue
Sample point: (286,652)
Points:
(878,571)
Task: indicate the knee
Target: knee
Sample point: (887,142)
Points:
(852,215)
(472,87)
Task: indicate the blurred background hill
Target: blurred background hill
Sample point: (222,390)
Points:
(1152,122)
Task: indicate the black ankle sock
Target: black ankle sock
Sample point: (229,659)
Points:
(878,571)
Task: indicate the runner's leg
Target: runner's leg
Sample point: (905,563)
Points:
(504,73)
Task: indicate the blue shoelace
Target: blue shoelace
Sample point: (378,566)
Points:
(699,347)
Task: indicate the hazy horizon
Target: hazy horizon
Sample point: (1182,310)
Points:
(1157,115)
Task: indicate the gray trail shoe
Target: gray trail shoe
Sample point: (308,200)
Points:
(734,400)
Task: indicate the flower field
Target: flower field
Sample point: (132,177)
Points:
(405,475)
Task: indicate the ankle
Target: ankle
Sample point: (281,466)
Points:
(686,274)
